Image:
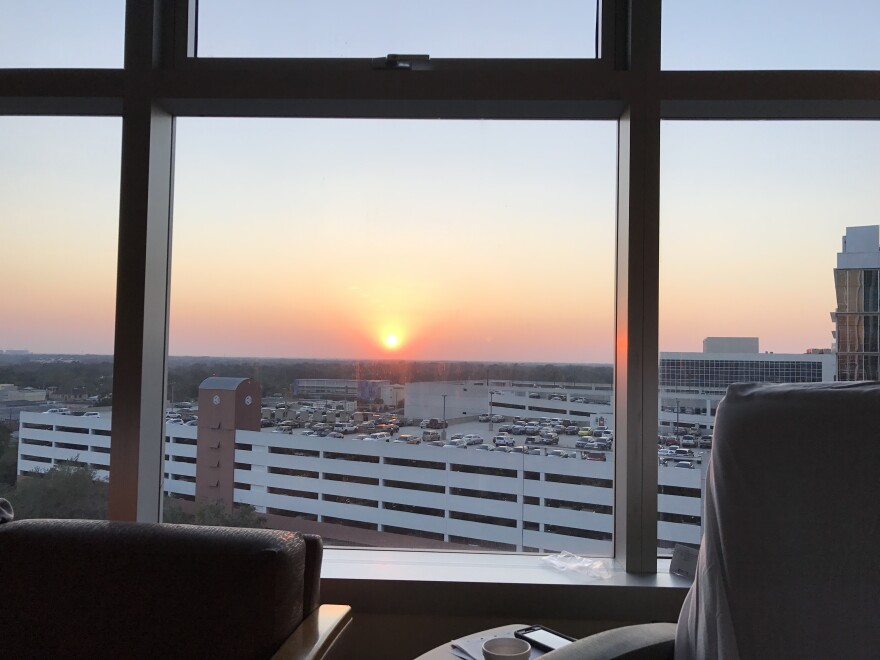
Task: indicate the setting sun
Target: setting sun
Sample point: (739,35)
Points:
(391,341)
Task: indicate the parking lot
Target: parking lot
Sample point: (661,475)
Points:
(482,433)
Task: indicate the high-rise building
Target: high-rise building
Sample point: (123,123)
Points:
(857,317)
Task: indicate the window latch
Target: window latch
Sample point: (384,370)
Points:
(403,62)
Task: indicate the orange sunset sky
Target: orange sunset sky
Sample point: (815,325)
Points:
(465,240)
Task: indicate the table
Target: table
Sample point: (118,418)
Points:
(442,652)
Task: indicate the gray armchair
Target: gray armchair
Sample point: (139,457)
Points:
(91,589)
(789,566)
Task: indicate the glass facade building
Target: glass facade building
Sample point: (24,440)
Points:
(857,317)
(719,373)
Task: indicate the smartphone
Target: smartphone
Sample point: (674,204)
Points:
(543,638)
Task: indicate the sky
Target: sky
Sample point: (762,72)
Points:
(464,240)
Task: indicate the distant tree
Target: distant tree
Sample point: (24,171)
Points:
(8,464)
(213,514)
(64,491)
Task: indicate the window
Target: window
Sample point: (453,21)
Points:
(54,33)
(427,252)
(441,28)
(763,306)
(784,34)
(59,200)
(624,84)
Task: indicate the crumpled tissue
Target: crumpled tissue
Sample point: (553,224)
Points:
(567,561)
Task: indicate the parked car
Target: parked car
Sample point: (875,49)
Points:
(496,419)
(688,465)
(483,418)
(585,431)
(688,441)
(503,441)
(473,439)
(705,442)
(595,456)
(518,429)
(335,434)
(551,437)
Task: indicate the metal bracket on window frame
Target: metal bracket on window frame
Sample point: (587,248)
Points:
(398,62)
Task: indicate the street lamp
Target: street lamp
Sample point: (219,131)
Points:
(491,394)
(677,410)
(443,430)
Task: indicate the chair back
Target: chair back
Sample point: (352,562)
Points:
(789,565)
(93,589)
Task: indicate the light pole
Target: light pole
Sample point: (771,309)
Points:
(677,410)
(491,394)
(443,430)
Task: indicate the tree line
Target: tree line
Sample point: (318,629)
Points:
(94,376)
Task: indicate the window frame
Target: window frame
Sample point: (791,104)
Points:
(161,81)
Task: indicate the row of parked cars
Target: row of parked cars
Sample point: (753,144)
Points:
(74,413)
(679,457)
(686,441)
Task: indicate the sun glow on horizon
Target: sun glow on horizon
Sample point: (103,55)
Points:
(391,341)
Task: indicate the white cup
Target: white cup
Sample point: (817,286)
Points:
(506,648)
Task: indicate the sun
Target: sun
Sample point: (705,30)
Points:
(391,341)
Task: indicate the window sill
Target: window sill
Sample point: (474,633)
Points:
(450,593)
(457,567)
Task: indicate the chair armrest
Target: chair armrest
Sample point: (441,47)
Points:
(316,634)
(649,641)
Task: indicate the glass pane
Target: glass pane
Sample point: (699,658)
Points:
(350,28)
(783,34)
(61,34)
(405,279)
(59,197)
(762,266)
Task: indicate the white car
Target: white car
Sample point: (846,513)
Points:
(503,441)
